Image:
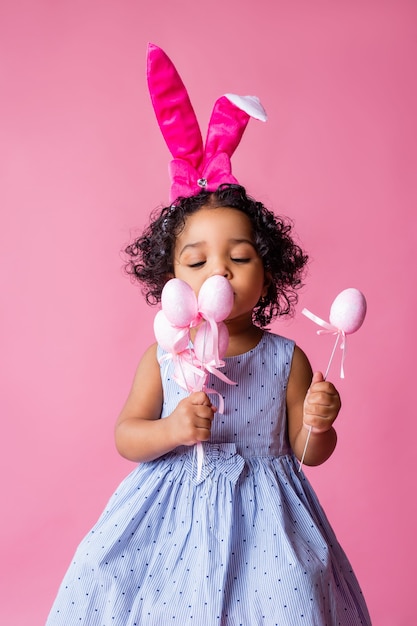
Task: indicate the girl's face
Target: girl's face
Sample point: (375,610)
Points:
(220,241)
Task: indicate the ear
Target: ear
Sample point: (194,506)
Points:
(267,282)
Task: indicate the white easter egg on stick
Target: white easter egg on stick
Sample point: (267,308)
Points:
(348,310)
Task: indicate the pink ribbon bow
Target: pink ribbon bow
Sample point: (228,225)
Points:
(333,330)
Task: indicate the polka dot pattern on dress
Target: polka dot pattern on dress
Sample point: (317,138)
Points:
(246,543)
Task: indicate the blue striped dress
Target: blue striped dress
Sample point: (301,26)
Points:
(246,543)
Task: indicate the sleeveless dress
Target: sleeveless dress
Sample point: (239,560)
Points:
(246,543)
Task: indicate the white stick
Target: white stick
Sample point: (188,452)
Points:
(310,428)
(332,355)
(199,445)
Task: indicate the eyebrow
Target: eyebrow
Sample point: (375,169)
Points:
(197,244)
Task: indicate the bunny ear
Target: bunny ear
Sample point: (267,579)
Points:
(230,116)
(173,109)
(193,168)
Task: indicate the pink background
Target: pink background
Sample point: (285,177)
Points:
(82,164)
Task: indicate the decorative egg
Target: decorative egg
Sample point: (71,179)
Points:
(348,310)
(179,303)
(215,299)
(171,339)
(187,375)
(203,342)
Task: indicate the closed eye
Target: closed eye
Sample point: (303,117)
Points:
(198,264)
(241,260)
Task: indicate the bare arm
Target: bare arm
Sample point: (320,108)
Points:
(311,401)
(141,435)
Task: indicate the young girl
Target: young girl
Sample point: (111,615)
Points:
(244,541)
(248,542)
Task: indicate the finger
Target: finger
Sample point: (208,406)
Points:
(319,396)
(317,384)
(203,422)
(202,429)
(323,392)
(201,398)
(205,412)
(316,426)
(319,401)
(317,378)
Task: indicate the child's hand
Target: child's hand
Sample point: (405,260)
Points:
(191,421)
(321,405)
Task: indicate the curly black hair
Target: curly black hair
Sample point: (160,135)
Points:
(151,255)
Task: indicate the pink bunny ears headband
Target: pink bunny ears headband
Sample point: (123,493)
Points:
(195,167)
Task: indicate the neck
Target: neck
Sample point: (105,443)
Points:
(243,336)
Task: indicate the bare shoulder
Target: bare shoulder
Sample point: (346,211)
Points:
(145,397)
(300,363)
(300,377)
(149,359)
(148,368)
(148,372)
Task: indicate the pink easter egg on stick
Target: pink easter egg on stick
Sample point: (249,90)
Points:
(348,310)
(187,375)
(179,303)
(170,338)
(215,299)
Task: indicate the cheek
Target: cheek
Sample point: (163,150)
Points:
(179,271)
(187,277)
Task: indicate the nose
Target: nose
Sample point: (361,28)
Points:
(224,271)
(221,268)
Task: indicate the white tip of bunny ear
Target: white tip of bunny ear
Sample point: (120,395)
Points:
(250,104)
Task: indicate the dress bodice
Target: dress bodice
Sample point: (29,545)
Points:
(254,417)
